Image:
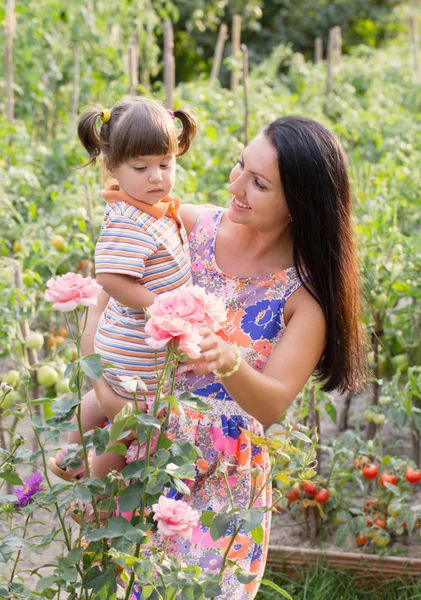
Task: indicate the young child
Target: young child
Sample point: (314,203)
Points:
(142,249)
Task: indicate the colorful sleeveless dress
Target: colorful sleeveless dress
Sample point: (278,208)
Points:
(256,324)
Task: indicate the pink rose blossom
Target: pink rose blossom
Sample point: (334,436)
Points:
(213,307)
(178,304)
(71,290)
(162,330)
(175,517)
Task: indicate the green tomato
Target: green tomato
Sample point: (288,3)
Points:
(368,415)
(58,242)
(381,538)
(400,530)
(7,468)
(340,517)
(379,419)
(385,367)
(47,376)
(62,386)
(12,377)
(400,363)
(381,301)
(49,593)
(34,340)
(80,214)
(383,400)
(69,352)
(393,510)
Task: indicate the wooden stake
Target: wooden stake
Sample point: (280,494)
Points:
(90,212)
(245,88)
(115,34)
(338,44)
(30,355)
(343,417)
(318,50)
(329,78)
(169,62)
(416,48)
(219,51)
(314,421)
(235,42)
(132,70)
(9,32)
(375,388)
(91,15)
(76,90)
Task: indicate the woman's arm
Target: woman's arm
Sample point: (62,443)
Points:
(266,395)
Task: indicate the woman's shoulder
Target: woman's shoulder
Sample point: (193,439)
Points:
(190,213)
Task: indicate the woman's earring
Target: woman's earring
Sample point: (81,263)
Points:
(290,218)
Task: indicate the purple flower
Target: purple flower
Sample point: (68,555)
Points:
(25,493)
(211,561)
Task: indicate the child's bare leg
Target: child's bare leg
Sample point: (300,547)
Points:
(91,416)
(106,462)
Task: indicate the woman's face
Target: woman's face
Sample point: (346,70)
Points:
(258,199)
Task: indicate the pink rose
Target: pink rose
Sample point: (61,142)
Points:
(175,517)
(71,290)
(162,330)
(215,313)
(178,304)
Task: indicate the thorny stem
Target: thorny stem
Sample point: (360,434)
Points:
(20,550)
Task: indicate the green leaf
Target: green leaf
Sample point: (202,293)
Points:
(73,557)
(148,420)
(180,486)
(207,517)
(100,440)
(245,577)
(276,588)
(301,436)
(172,401)
(92,366)
(341,534)
(117,428)
(220,526)
(257,534)
(45,582)
(11,478)
(251,518)
(192,401)
(131,497)
(134,469)
(81,492)
(118,449)
(116,527)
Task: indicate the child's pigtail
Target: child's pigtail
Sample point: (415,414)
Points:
(188,133)
(88,134)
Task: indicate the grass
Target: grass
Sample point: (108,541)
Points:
(326,584)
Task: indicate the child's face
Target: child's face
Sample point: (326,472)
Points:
(147,178)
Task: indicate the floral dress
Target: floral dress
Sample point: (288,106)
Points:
(256,324)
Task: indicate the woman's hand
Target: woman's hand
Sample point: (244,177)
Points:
(216,354)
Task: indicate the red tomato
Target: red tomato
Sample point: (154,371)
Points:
(322,496)
(413,476)
(380,523)
(293,495)
(370,471)
(387,478)
(361,540)
(357,463)
(309,488)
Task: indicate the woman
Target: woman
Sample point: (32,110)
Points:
(282,257)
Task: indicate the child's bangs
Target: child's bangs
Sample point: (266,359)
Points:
(143,131)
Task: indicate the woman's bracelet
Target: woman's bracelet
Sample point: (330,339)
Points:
(235,367)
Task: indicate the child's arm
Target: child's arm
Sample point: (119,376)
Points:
(126,290)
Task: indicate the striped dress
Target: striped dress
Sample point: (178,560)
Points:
(154,251)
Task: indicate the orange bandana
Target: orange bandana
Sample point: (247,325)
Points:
(167,207)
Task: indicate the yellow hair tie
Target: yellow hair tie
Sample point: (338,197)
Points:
(105,115)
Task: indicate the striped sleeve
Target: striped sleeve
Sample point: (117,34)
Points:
(123,246)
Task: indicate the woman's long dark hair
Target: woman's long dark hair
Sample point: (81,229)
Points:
(313,170)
